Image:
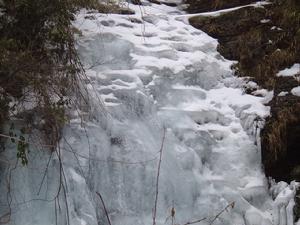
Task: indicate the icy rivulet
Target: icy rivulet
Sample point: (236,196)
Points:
(147,73)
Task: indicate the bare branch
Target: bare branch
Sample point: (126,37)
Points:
(214,219)
(157,177)
(105,210)
(196,221)
(220,213)
(113,161)
(45,173)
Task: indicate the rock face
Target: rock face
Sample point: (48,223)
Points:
(264,40)
(232,36)
(281,135)
(207,5)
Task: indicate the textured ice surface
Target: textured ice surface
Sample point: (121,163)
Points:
(149,72)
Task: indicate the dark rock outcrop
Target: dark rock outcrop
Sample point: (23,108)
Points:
(196,6)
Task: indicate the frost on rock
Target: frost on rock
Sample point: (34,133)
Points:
(296,91)
(144,78)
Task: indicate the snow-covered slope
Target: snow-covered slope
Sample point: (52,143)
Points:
(154,81)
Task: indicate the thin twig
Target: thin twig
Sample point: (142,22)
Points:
(55,212)
(157,177)
(196,221)
(105,210)
(112,161)
(66,204)
(214,219)
(217,216)
(75,156)
(45,173)
(173,212)
(7,216)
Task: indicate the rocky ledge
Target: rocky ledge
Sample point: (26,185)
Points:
(264,40)
(195,6)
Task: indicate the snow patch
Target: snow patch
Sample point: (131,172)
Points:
(296,91)
(283,93)
(295,69)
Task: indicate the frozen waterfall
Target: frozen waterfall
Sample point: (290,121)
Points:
(147,74)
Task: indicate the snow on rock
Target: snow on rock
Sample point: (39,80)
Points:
(296,91)
(295,69)
(152,75)
(283,93)
(259,4)
(265,21)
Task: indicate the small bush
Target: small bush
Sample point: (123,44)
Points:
(39,67)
